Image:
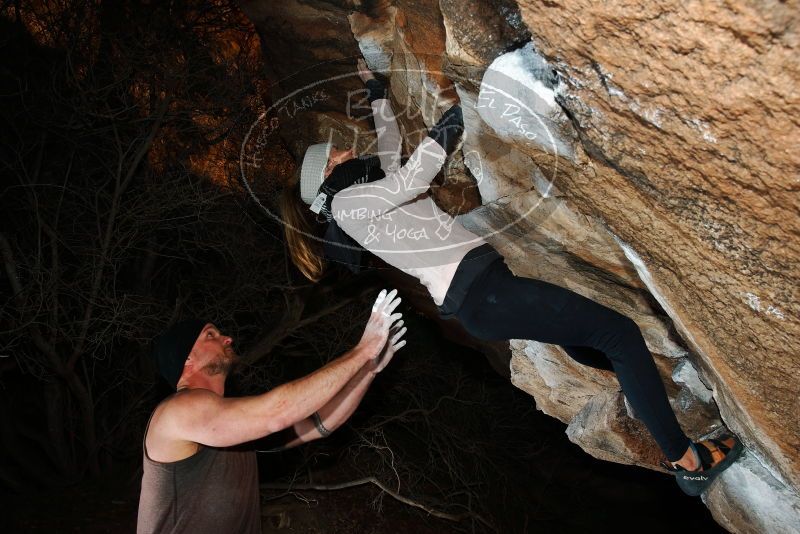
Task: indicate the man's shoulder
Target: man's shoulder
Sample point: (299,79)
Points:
(179,403)
(162,445)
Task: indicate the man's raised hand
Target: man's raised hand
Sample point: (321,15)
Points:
(393,344)
(380,322)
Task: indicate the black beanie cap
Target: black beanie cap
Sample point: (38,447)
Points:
(171,348)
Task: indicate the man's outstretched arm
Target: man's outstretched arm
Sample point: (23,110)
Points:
(202,416)
(343,404)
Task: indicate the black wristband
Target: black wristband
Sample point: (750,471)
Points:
(375,90)
(320,427)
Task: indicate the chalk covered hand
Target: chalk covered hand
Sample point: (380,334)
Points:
(379,325)
(449,129)
(393,344)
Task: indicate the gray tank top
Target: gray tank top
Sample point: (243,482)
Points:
(213,491)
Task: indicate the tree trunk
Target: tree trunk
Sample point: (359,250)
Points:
(56,418)
(86,418)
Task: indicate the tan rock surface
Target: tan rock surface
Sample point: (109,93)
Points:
(689,113)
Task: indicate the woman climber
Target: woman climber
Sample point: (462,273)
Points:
(380,203)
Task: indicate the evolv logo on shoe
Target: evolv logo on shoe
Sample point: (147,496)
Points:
(695,478)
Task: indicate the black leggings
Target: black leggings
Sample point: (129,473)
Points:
(500,306)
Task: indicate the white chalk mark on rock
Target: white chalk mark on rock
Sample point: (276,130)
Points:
(755,304)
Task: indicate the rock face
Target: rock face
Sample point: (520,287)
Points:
(643,155)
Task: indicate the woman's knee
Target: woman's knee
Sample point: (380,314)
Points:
(618,330)
(628,326)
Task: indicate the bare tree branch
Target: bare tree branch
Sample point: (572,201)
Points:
(375,482)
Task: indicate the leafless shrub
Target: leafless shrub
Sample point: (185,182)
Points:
(121,124)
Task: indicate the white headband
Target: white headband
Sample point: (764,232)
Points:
(312,172)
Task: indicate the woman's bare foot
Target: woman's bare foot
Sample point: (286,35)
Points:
(363,71)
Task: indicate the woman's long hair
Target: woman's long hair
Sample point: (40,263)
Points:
(299,225)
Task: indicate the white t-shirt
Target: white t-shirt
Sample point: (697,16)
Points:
(395,217)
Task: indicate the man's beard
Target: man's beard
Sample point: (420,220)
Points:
(222,365)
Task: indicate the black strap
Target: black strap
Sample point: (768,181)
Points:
(706,457)
(342,248)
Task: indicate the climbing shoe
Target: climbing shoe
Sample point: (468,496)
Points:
(713,456)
